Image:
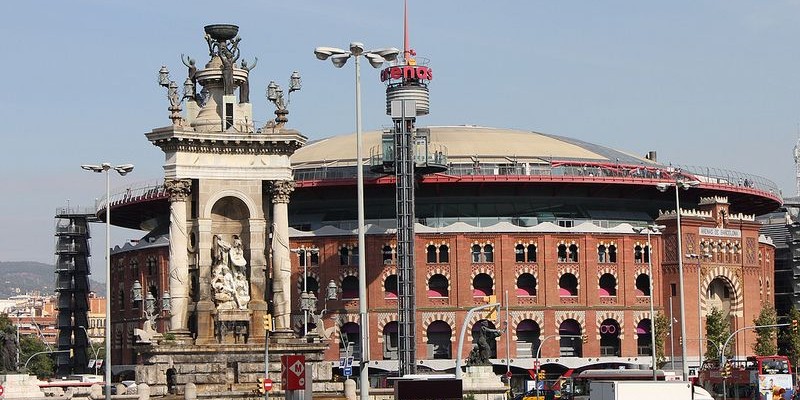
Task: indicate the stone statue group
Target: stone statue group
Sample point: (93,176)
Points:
(229,275)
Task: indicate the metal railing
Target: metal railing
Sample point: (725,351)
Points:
(134,192)
(567,168)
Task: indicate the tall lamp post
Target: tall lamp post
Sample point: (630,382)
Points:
(123,170)
(651,229)
(699,257)
(306,301)
(376,58)
(663,187)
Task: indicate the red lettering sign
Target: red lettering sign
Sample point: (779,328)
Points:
(407,72)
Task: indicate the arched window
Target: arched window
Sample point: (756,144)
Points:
(311,286)
(612,253)
(444,254)
(350,288)
(568,285)
(647,253)
(476,253)
(438,286)
(531,253)
(431,254)
(601,253)
(488,253)
(482,285)
(643,340)
(390,287)
(609,338)
(519,253)
(344,256)
(439,340)
(570,342)
(608,285)
(350,343)
(573,253)
(528,338)
(562,253)
(638,254)
(388,254)
(526,285)
(643,285)
(390,341)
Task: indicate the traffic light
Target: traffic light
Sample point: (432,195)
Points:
(794,326)
(261,385)
(726,370)
(491,313)
(267,324)
(540,376)
(585,338)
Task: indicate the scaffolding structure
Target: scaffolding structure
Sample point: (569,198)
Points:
(72,288)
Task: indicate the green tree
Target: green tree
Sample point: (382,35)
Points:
(40,365)
(662,327)
(718,329)
(765,344)
(790,340)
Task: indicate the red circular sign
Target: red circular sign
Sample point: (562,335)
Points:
(508,374)
(1,390)
(268,384)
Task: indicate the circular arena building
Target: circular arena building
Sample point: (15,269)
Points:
(254,227)
(546,224)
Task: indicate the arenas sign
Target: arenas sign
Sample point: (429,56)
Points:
(406,72)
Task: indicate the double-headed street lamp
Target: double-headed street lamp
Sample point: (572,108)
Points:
(648,230)
(123,170)
(699,257)
(663,187)
(376,58)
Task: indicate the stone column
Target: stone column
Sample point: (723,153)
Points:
(205,306)
(258,263)
(178,190)
(281,263)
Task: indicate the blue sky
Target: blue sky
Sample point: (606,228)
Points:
(711,83)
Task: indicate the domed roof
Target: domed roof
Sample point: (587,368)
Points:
(465,144)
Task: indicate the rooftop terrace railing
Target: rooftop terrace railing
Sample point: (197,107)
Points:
(568,168)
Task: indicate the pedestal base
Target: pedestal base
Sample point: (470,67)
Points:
(482,378)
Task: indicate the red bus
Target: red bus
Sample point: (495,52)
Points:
(757,377)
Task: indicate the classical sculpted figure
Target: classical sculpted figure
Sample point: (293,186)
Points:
(229,279)
(481,353)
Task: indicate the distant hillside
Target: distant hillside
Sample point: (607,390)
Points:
(20,277)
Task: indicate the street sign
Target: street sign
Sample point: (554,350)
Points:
(349,362)
(293,372)
(509,374)
(536,365)
(267,384)
(2,390)
(348,371)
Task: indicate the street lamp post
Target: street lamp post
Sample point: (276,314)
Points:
(306,303)
(92,347)
(376,58)
(123,170)
(680,184)
(651,229)
(699,257)
(538,354)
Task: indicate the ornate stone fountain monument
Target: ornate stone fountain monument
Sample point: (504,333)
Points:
(229,183)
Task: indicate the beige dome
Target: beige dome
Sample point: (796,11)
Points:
(466,143)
